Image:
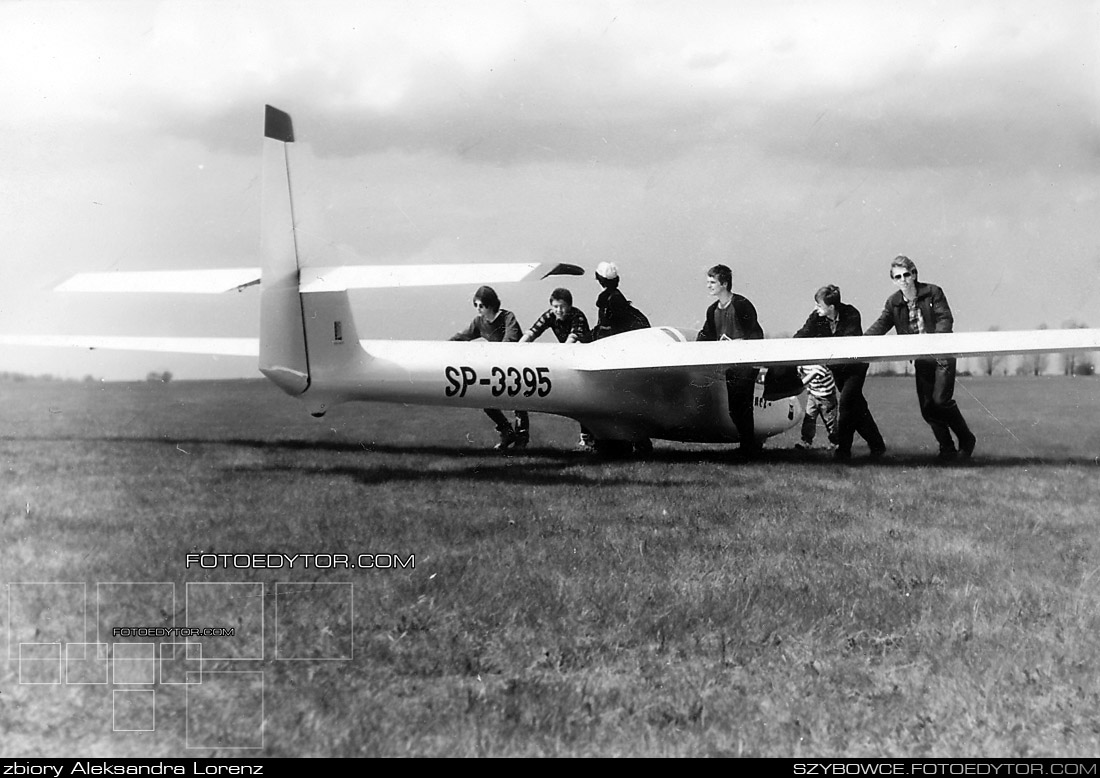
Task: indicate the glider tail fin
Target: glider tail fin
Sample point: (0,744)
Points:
(284,357)
(308,337)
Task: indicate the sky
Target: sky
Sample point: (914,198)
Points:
(800,143)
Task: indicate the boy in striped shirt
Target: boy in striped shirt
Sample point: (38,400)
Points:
(821,401)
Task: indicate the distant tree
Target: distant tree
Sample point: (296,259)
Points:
(159,378)
(1034,364)
(166,376)
(990,362)
(1076,363)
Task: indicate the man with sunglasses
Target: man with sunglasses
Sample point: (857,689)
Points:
(917,308)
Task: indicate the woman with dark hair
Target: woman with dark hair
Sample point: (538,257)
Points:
(832,318)
(497,326)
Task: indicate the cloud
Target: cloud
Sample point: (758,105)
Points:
(508,83)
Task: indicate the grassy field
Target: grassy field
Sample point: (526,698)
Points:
(559,605)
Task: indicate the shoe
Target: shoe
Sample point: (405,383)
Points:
(877,453)
(643,447)
(966,447)
(803,446)
(523,437)
(507,438)
(842,455)
(947,455)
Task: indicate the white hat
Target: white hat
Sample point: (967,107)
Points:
(607,270)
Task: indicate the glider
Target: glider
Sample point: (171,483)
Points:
(655,383)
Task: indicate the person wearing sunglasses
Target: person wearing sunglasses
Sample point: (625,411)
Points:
(918,308)
(498,326)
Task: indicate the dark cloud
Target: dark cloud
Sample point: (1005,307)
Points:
(566,100)
(995,120)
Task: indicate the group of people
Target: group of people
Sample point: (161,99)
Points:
(835,391)
(569,325)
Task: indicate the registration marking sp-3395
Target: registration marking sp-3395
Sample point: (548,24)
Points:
(512,381)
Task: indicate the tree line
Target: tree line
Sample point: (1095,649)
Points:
(1072,364)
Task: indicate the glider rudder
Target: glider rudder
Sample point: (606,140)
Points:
(283,354)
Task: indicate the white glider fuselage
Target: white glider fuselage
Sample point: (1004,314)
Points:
(679,403)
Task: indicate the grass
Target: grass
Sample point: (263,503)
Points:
(559,605)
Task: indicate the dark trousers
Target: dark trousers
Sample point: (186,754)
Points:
(741,391)
(935,393)
(853,415)
(523,423)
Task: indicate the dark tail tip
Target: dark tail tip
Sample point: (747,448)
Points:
(277,125)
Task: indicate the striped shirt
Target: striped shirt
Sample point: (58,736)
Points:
(574,323)
(818,379)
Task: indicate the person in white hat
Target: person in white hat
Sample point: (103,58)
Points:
(616,314)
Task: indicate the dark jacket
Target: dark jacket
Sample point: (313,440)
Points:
(746,318)
(847,324)
(933,309)
(616,315)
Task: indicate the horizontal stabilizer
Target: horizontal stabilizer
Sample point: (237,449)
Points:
(315,279)
(213,281)
(231,347)
(633,350)
(345,277)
